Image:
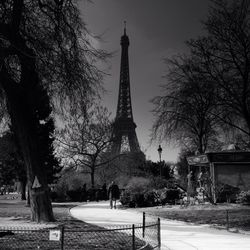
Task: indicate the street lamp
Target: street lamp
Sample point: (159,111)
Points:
(159,152)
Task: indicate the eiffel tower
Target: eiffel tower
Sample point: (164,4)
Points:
(125,138)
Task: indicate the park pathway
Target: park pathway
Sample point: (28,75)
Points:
(175,235)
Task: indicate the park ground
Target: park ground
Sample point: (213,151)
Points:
(13,212)
(215,215)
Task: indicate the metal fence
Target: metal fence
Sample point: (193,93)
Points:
(121,237)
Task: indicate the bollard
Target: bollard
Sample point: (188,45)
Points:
(133,236)
(159,233)
(143,225)
(227,216)
(62,237)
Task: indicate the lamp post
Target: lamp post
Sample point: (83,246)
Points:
(159,152)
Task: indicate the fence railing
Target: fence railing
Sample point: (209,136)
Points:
(61,238)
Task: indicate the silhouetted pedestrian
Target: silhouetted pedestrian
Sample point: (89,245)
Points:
(113,194)
(84,192)
(104,191)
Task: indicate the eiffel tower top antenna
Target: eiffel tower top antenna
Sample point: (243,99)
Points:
(125,24)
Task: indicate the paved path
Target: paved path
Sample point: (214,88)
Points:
(175,235)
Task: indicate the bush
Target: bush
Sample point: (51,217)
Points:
(243,197)
(165,195)
(159,183)
(132,199)
(150,198)
(75,195)
(153,197)
(138,185)
(171,196)
(60,189)
(69,187)
(91,194)
(100,194)
(135,190)
(53,196)
(138,200)
(126,199)
(142,191)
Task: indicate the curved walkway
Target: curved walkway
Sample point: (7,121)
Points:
(175,235)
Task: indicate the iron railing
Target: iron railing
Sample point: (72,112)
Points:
(123,237)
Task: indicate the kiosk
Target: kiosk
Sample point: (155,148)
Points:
(224,167)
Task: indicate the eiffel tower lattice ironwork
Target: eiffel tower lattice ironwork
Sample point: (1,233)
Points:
(124,127)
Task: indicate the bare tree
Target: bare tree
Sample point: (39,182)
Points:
(44,48)
(208,90)
(84,141)
(225,57)
(183,113)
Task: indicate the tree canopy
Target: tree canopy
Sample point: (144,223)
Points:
(207,90)
(47,62)
(184,113)
(54,35)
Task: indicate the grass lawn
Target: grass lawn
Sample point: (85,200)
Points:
(18,209)
(78,235)
(239,216)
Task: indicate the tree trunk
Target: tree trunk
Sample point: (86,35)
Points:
(41,209)
(200,146)
(23,189)
(28,197)
(92,177)
(24,121)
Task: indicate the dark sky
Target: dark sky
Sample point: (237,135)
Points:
(157,29)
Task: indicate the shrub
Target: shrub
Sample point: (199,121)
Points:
(75,195)
(165,195)
(150,198)
(126,199)
(69,187)
(141,192)
(135,190)
(78,194)
(53,196)
(61,189)
(74,182)
(131,199)
(138,200)
(243,197)
(100,194)
(171,196)
(91,194)
(159,183)
(138,185)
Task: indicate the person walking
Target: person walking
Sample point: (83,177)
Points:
(113,194)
